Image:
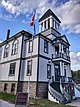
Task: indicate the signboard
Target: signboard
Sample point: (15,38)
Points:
(21,100)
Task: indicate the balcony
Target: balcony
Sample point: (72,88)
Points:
(66,79)
(60,55)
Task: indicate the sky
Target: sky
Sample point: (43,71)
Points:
(16,16)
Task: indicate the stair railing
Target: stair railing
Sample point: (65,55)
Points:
(76,85)
(66,95)
(55,93)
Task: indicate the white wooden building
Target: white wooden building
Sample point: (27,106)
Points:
(50,76)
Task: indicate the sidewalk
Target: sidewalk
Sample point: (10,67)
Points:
(6,104)
(75,103)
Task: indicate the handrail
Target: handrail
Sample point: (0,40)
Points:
(56,94)
(66,95)
(76,85)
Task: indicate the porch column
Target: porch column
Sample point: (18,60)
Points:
(62,49)
(53,71)
(70,71)
(61,69)
(59,47)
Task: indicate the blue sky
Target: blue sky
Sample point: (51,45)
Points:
(16,16)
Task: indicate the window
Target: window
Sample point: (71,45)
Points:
(5,86)
(12,69)
(13,87)
(29,67)
(41,26)
(44,25)
(56,25)
(30,46)
(0,53)
(45,46)
(48,71)
(48,23)
(6,51)
(53,23)
(15,47)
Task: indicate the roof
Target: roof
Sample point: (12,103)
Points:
(63,37)
(23,32)
(47,14)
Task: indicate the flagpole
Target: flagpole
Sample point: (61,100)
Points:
(30,67)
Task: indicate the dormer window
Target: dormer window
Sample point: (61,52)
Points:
(15,47)
(6,51)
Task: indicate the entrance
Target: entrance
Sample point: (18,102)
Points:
(57,72)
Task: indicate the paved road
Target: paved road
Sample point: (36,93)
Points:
(5,104)
(75,103)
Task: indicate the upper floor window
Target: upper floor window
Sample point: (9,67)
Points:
(56,26)
(48,71)
(6,51)
(44,25)
(0,53)
(45,46)
(12,69)
(41,26)
(15,47)
(29,67)
(48,23)
(30,46)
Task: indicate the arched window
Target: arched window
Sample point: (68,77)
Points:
(15,47)
(6,50)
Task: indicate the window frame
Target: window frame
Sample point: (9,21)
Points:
(1,49)
(28,67)
(6,50)
(5,86)
(12,87)
(46,46)
(16,47)
(48,75)
(11,70)
(29,51)
(48,23)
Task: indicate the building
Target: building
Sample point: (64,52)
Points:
(50,73)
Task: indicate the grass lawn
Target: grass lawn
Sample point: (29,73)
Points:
(33,102)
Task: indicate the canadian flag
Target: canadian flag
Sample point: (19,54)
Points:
(32,21)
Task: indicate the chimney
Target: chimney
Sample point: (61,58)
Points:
(8,34)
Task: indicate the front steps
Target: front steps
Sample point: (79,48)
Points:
(55,94)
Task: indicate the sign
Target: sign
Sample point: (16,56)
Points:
(21,100)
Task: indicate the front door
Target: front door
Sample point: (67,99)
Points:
(57,72)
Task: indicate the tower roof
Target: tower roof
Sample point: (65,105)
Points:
(47,14)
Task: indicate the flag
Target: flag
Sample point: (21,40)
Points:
(32,21)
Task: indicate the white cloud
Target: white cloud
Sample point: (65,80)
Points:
(69,12)
(75,60)
(0,41)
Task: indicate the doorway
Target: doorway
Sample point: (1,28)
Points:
(57,72)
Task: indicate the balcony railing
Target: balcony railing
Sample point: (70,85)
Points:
(60,55)
(66,79)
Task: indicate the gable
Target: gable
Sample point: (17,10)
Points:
(65,39)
